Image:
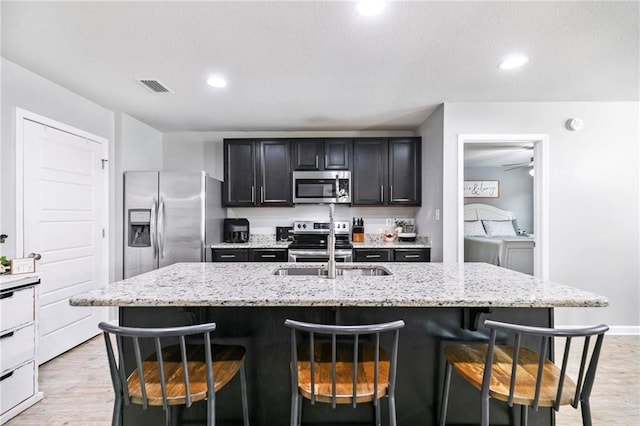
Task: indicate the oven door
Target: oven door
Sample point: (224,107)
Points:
(320,256)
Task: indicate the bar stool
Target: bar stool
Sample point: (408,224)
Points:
(339,366)
(519,375)
(174,374)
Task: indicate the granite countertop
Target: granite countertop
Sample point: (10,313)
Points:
(369,243)
(411,285)
(253,245)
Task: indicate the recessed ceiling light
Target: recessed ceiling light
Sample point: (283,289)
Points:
(512,62)
(370,7)
(217,81)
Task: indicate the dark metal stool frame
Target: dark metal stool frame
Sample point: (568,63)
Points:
(584,384)
(119,378)
(343,330)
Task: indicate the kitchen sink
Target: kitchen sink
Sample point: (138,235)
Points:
(348,271)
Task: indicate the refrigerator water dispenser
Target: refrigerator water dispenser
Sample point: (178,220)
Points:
(139,228)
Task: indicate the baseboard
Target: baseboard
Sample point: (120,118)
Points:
(624,330)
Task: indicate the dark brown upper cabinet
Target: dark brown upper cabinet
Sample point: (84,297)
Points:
(257,173)
(387,171)
(322,154)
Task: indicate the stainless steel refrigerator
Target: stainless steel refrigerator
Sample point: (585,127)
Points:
(169,217)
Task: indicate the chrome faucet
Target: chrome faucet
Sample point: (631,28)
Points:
(331,243)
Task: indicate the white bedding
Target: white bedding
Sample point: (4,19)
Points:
(512,252)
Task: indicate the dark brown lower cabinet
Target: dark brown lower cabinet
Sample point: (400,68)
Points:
(249,255)
(392,255)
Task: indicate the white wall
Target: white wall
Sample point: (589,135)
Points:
(24,89)
(516,192)
(594,195)
(432,136)
(204,151)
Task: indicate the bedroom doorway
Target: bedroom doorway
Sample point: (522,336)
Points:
(507,159)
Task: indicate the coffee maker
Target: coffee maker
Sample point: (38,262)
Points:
(236,230)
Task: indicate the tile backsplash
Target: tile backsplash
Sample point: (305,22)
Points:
(265,220)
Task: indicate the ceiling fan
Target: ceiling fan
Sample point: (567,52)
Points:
(518,165)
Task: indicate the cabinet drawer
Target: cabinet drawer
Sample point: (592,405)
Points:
(16,347)
(17,307)
(231,255)
(412,255)
(268,255)
(16,386)
(373,255)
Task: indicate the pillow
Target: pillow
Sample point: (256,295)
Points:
(499,228)
(474,228)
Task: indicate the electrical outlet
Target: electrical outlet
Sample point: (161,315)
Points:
(389,221)
(437,214)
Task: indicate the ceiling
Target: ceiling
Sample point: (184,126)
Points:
(318,65)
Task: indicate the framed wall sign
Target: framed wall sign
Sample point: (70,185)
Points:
(25,265)
(481,188)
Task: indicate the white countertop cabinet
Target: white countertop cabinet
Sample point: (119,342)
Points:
(18,345)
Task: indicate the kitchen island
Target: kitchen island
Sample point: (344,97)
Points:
(440,303)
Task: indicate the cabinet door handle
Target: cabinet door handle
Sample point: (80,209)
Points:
(227,256)
(372,256)
(253,194)
(382,193)
(6,376)
(411,256)
(4,336)
(262,194)
(326,160)
(267,256)
(316,161)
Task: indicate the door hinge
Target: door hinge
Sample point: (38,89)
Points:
(104,161)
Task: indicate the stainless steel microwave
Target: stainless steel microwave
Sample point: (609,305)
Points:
(322,187)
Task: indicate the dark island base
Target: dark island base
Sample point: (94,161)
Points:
(420,363)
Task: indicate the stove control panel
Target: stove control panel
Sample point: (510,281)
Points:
(320,227)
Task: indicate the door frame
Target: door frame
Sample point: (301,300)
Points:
(21,115)
(540,192)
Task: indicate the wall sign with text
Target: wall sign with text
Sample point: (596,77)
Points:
(481,188)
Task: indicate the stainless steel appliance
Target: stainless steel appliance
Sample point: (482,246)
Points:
(322,187)
(236,230)
(169,217)
(310,242)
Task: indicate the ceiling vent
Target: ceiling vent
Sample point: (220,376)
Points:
(154,85)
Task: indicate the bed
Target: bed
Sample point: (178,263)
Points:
(491,236)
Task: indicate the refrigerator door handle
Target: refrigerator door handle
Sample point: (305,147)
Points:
(161,235)
(153,229)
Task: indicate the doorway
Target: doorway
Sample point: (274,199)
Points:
(539,151)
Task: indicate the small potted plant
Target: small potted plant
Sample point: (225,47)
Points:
(4,264)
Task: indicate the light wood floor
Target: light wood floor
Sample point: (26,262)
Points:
(77,388)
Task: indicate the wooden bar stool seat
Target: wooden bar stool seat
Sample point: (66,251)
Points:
(170,374)
(227,361)
(342,364)
(519,375)
(365,389)
(468,361)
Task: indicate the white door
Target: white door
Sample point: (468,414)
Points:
(65,220)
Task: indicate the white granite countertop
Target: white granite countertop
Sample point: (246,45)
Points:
(283,245)
(253,245)
(411,284)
